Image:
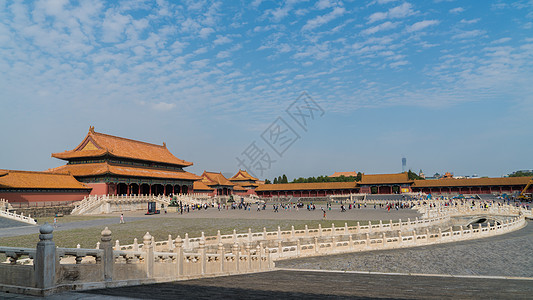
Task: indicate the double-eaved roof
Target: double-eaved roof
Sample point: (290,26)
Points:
(14,179)
(85,170)
(97,144)
(242,175)
(215,179)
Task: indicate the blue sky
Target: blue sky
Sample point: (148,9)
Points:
(447,84)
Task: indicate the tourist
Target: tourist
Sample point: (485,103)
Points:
(122,218)
(55,221)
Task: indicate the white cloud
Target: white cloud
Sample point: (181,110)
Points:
(473,21)
(468,34)
(400,11)
(114,26)
(321,20)
(457,10)
(421,25)
(163,106)
(381,27)
(205,32)
(502,40)
(323,4)
(220,40)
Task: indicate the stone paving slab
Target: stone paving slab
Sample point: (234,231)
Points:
(285,284)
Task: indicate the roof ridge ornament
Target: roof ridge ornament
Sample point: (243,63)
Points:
(91,129)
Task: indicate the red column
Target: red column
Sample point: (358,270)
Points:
(128,190)
(150,190)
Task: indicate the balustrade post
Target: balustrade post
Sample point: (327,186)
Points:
(358,228)
(279,232)
(135,245)
(170,243)
(400,224)
(45,258)
(384,239)
(380,225)
(400,238)
(298,248)
(235,236)
(350,241)
(414,236)
(280,248)
(332,229)
(249,256)
(269,259)
(222,256)
(148,249)
(203,257)
(186,244)
(292,231)
(178,249)
(367,240)
(369,226)
(319,229)
(264,233)
(109,258)
(306,231)
(235,251)
(117,245)
(259,255)
(316,244)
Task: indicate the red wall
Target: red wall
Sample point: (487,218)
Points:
(25,197)
(98,188)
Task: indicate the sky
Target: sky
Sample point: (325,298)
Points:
(302,88)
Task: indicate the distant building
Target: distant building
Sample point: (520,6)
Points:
(28,188)
(385,183)
(345,174)
(220,184)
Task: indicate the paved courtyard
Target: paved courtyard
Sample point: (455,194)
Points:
(338,277)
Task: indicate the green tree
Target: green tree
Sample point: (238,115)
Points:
(275,180)
(284,179)
(412,176)
(267,181)
(359,176)
(521,174)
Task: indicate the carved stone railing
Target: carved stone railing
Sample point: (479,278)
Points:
(57,269)
(112,203)
(13,214)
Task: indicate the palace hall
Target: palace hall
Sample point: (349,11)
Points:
(120,166)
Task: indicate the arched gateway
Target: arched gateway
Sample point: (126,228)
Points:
(119,166)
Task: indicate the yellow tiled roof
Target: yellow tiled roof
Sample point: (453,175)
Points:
(307,186)
(385,178)
(242,175)
(106,168)
(200,186)
(450,182)
(97,144)
(346,174)
(39,180)
(212,178)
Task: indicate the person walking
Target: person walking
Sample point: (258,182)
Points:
(121,218)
